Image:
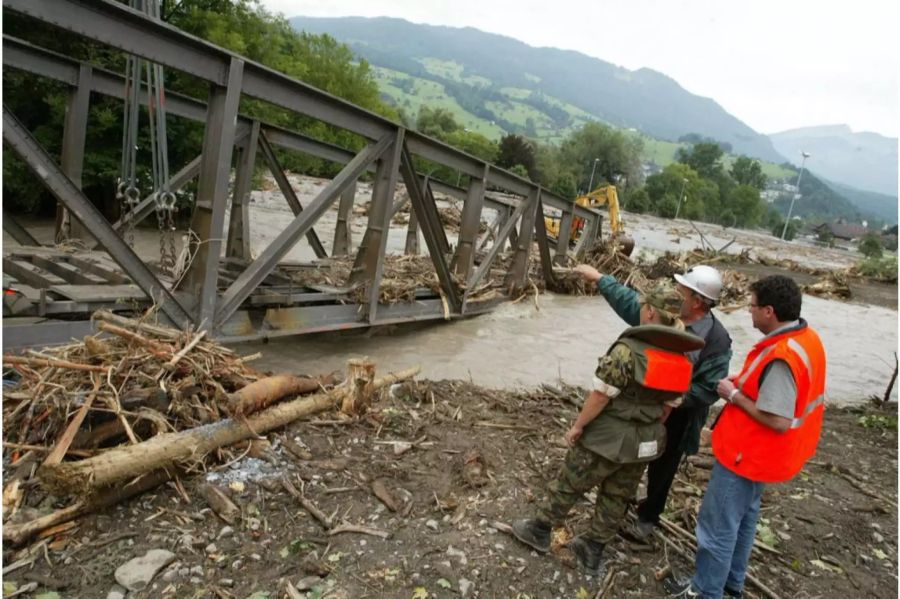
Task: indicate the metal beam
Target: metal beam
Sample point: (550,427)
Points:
(78,106)
(485,265)
(343,236)
(281,245)
(371,255)
(518,270)
(540,230)
(432,229)
(27,148)
(238,245)
(469,222)
(17,231)
(212,191)
(288,192)
(562,240)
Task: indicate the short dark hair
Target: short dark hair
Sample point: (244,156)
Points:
(781,293)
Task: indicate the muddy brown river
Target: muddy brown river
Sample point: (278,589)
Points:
(518,344)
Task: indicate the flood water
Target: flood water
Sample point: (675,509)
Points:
(518,345)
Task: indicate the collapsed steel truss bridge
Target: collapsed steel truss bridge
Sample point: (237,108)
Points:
(230,293)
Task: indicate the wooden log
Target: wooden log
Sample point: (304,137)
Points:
(163,450)
(137,325)
(264,392)
(220,503)
(19,533)
(51,363)
(155,347)
(360,375)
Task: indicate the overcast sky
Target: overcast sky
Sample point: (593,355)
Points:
(774,64)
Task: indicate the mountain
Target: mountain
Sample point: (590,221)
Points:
(866,161)
(879,205)
(512,87)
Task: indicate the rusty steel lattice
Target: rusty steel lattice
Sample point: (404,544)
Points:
(237,297)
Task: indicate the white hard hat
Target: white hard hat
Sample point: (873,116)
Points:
(703,279)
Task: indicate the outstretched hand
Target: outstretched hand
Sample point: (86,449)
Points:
(587,272)
(573,435)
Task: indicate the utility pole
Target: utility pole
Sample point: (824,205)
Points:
(591,184)
(681,199)
(794,196)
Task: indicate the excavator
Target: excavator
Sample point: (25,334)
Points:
(603,195)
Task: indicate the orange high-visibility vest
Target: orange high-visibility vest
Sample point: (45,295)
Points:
(755,451)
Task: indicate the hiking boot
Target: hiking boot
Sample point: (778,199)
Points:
(533,532)
(588,554)
(734,594)
(680,588)
(641,531)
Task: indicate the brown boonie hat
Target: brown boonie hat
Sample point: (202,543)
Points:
(663,296)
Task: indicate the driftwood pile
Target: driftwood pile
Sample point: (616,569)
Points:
(137,405)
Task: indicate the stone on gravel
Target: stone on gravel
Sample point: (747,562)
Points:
(137,573)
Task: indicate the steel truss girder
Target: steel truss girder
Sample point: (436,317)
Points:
(24,56)
(247,281)
(37,159)
(502,235)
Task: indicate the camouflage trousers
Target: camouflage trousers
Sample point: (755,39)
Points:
(582,471)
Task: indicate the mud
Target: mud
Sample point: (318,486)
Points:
(832,534)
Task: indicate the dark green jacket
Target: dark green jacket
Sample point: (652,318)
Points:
(710,367)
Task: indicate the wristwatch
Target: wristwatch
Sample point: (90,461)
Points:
(731,395)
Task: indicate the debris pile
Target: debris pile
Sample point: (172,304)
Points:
(139,404)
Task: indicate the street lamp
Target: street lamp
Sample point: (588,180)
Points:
(681,199)
(794,196)
(591,184)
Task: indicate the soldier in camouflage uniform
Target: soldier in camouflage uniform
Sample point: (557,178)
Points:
(619,428)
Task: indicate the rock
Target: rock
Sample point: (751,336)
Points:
(195,580)
(237,564)
(307,583)
(226,582)
(878,537)
(170,575)
(453,552)
(465,587)
(117,592)
(137,573)
(197,570)
(211,548)
(184,572)
(226,531)
(255,557)
(432,524)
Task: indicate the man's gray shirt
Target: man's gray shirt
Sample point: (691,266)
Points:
(778,389)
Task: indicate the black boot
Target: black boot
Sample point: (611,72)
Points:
(588,553)
(534,533)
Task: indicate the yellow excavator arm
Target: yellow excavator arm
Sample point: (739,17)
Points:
(605,195)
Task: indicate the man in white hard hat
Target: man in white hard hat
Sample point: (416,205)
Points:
(700,287)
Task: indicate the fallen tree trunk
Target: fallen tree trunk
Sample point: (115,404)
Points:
(259,395)
(167,449)
(19,533)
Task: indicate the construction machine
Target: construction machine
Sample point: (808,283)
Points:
(605,195)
